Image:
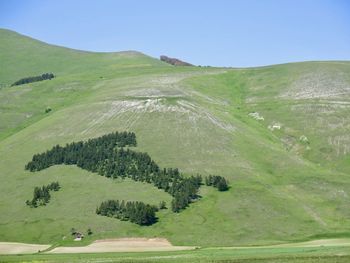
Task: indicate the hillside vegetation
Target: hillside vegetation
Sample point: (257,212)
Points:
(279,134)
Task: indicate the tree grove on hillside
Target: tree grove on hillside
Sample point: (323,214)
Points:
(217,181)
(26,80)
(136,212)
(41,195)
(107,156)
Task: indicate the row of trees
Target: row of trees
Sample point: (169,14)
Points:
(135,212)
(26,80)
(41,195)
(106,156)
(217,181)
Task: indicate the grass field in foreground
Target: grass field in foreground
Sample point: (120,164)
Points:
(258,255)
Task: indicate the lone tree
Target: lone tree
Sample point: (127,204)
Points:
(222,184)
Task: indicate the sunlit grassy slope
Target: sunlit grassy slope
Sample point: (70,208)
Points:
(283,187)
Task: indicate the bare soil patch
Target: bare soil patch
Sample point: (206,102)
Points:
(20,248)
(123,245)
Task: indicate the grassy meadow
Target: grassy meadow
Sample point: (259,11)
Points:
(283,187)
(227,255)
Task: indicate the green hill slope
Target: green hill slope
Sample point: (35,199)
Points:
(287,170)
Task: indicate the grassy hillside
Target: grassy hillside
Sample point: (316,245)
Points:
(284,187)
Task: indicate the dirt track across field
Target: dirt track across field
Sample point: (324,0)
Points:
(123,245)
(20,248)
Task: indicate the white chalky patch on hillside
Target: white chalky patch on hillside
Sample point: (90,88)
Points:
(274,126)
(340,144)
(319,85)
(256,116)
(330,120)
(154,93)
(157,105)
(142,106)
(170,86)
(329,107)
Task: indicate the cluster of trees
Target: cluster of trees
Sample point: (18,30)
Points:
(217,181)
(77,233)
(41,195)
(106,156)
(184,192)
(42,77)
(87,155)
(135,212)
(174,61)
(140,167)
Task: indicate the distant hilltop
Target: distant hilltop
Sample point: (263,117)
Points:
(174,61)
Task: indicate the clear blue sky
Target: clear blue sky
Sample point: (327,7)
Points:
(217,32)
